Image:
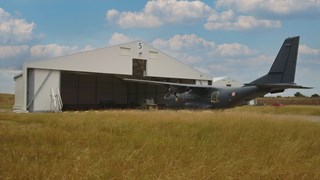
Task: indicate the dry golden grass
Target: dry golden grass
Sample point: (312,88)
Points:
(6,101)
(306,110)
(289,100)
(239,143)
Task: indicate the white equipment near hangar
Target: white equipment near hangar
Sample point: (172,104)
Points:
(226,81)
(93,79)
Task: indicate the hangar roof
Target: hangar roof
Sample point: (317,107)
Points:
(119,60)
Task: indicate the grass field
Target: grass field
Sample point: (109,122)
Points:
(240,143)
(6,101)
(289,100)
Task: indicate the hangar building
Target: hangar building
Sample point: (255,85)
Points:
(94,79)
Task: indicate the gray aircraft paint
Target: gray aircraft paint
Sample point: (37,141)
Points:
(280,77)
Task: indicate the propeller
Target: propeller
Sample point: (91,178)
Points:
(173,91)
(176,90)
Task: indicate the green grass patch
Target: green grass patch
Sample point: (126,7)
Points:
(158,145)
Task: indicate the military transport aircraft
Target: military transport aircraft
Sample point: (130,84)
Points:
(280,77)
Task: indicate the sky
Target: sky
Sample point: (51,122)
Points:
(236,38)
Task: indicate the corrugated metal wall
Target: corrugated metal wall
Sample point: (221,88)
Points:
(39,85)
(18,99)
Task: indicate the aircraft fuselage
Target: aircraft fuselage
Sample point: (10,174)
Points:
(214,98)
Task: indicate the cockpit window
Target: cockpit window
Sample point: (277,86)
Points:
(215,97)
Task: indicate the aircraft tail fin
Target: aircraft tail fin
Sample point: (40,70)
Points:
(284,67)
(282,72)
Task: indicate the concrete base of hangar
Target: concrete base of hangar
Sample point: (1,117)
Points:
(99,91)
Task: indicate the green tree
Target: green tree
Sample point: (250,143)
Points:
(315,95)
(298,94)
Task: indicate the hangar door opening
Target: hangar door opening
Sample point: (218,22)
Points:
(139,68)
(92,91)
(101,91)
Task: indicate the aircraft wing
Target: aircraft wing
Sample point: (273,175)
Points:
(168,83)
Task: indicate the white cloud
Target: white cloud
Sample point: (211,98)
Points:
(54,50)
(306,50)
(4,14)
(183,46)
(15,56)
(8,52)
(188,48)
(204,70)
(177,11)
(216,59)
(187,41)
(223,16)
(157,13)
(112,15)
(279,7)
(119,38)
(193,59)
(228,21)
(138,20)
(16,34)
(6,80)
(234,49)
(219,69)
(161,12)
(14,30)
(260,60)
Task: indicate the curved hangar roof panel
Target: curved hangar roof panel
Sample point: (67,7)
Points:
(104,60)
(118,60)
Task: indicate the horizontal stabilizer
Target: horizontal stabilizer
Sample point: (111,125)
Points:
(278,86)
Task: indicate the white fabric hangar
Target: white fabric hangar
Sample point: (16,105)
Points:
(94,79)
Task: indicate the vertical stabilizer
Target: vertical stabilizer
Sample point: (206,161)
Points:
(284,67)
